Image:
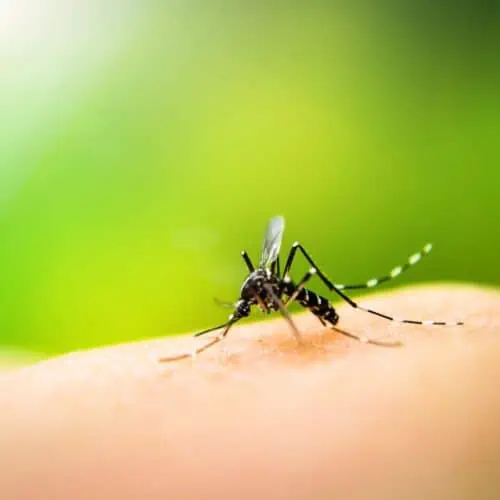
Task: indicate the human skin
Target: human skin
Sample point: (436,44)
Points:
(258,416)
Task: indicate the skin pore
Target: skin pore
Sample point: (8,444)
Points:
(258,416)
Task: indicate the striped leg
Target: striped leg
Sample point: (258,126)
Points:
(351,302)
(412,260)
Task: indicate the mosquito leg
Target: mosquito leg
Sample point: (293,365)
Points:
(326,314)
(351,302)
(367,340)
(289,260)
(300,285)
(262,304)
(192,354)
(395,272)
(247,260)
(284,311)
(204,347)
(297,246)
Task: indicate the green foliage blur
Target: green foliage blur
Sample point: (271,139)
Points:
(144,144)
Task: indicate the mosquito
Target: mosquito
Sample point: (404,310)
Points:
(270,290)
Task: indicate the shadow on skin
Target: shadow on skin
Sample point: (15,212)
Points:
(258,416)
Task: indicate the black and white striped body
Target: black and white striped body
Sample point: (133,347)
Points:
(253,292)
(318,305)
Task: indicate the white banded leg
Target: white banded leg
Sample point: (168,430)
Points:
(333,288)
(410,321)
(394,273)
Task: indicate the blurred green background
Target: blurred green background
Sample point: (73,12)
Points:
(144,144)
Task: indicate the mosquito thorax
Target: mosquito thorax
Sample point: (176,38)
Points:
(254,283)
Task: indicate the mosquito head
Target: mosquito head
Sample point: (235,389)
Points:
(241,310)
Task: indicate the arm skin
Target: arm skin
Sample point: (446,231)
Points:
(259,417)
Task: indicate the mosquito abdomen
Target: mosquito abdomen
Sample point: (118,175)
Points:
(318,305)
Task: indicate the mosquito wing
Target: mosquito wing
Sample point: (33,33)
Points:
(272,241)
